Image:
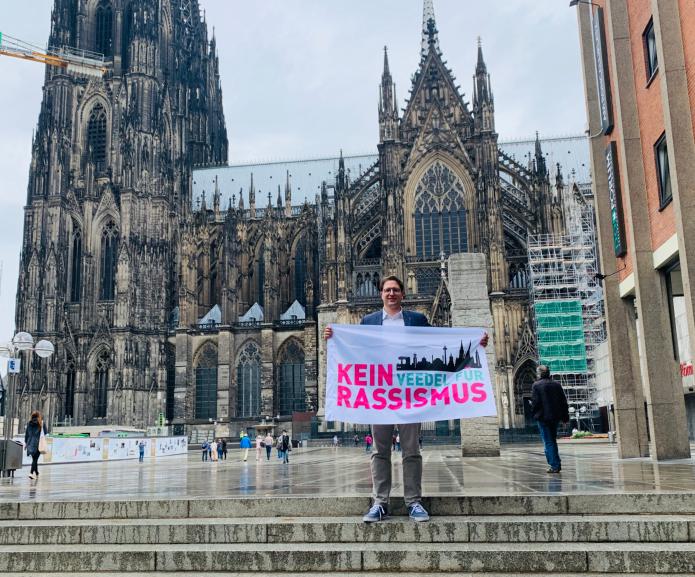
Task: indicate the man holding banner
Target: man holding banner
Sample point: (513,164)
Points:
(383,375)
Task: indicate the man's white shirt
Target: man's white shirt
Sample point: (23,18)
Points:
(396,320)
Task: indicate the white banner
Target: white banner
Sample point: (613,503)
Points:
(86,449)
(391,375)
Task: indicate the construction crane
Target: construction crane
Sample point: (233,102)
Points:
(71,59)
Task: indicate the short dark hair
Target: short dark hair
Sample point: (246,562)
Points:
(394,278)
(543,371)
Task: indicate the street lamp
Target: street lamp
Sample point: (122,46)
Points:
(22,341)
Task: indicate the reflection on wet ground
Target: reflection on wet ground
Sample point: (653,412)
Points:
(520,470)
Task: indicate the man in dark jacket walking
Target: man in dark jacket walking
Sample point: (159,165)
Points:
(549,406)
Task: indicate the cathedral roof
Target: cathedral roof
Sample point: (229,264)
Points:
(213,316)
(255,313)
(306,176)
(295,312)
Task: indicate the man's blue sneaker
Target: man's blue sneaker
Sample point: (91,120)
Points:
(418,513)
(375,514)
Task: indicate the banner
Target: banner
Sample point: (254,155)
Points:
(392,375)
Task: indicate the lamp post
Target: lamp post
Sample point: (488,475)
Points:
(22,341)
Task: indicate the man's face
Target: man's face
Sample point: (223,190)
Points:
(392,295)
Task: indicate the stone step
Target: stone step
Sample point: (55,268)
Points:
(346,574)
(602,503)
(460,529)
(545,558)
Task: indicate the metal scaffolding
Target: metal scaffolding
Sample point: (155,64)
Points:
(567,302)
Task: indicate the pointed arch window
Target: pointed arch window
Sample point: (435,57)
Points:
(206,383)
(261,279)
(291,381)
(96,137)
(76,267)
(109,255)
(249,382)
(300,264)
(101,384)
(69,401)
(440,214)
(104,29)
(214,285)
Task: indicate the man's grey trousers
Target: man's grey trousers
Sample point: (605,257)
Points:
(412,463)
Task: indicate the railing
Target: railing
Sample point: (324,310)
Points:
(72,311)
(208,327)
(105,310)
(289,323)
(248,324)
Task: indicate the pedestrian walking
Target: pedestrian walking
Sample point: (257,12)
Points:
(224,449)
(268,445)
(245,445)
(278,446)
(205,448)
(35,441)
(259,447)
(335,441)
(549,407)
(141,450)
(219,449)
(213,450)
(356,440)
(368,443)
(210,451)
(286,445)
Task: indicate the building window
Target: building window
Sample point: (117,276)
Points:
(101,377)
(76,268)
(261,280)
(109,255)
(650,56)
(96,137)
(677,313)
(249,382)
(292,397)
(206,384)
(300,264)
(214,285)
(663,173)
(69,403)
(104,29)
(440,214)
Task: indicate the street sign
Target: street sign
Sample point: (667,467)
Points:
(13,365)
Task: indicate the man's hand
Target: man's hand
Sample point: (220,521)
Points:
(483,341)
(327,333)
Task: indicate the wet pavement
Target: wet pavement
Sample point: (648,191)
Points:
(520,470)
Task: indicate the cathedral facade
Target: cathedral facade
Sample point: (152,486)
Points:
(208,311)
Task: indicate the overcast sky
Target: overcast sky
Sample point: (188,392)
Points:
(300,79)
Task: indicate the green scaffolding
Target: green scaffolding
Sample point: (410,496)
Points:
(560,331)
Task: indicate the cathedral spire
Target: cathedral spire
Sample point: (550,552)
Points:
(541,169)
(252,197)
(288,195)
(388,109)
(480,67)
(341,173)
(429,29)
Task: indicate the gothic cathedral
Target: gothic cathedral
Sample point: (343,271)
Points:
(209,313)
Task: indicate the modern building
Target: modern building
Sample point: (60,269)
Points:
(639,71)
(206,306)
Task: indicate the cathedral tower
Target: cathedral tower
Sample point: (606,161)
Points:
(109,185)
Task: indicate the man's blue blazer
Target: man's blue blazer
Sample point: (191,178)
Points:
(410,318)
